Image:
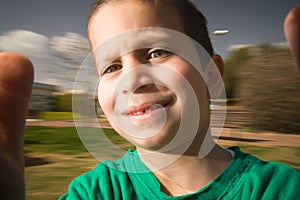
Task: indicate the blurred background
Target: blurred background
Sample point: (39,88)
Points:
(262,83)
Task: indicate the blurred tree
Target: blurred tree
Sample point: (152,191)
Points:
(268,84)
(64,102)
(237,59)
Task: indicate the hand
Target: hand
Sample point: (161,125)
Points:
(292,32)
(16,77)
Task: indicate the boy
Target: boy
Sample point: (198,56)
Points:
(169,162)
(147,101)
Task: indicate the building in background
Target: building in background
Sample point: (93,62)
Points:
(42,99)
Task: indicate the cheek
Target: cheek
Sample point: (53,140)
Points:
(199,88)
(105,98)
(194,78)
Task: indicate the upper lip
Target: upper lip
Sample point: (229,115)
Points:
(145,106)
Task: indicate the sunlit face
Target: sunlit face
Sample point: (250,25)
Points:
(145,100)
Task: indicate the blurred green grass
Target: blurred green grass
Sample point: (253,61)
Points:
(54,140)
(55,156)
(56,115)
(63,140)
(60,116)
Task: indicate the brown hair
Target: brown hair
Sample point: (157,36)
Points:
(195,23)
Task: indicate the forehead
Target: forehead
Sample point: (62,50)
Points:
(119,16)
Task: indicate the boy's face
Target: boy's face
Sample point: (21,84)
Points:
(146,102)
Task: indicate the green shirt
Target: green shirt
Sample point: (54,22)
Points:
(246,177)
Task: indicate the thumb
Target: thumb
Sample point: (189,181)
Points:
(16,77)
(292,32)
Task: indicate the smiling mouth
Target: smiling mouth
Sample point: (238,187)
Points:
(146,108)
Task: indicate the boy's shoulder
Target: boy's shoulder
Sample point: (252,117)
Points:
(102,181)
(267,179)
(264,168)
(111,169)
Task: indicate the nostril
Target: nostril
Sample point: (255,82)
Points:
(144,88)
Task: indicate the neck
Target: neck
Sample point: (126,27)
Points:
(187,173)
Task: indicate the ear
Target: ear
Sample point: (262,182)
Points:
(219,63)
(215,76)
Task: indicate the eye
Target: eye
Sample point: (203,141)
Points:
(158,53)
(112,68)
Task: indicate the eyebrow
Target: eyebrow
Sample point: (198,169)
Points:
(126,42)
(151,37)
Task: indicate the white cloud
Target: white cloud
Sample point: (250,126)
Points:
(69,43)
(239,46)
(71,46)
(25,42)
(53,58)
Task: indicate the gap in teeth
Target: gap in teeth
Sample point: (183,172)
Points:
(153,107)
(142,112)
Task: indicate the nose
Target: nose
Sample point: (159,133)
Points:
(136,76)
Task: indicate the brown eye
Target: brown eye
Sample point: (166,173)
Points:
(112,68)
(158,53)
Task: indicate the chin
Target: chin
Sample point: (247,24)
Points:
(158,142)
(149,144)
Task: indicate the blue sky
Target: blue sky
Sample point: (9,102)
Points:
(249,22)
